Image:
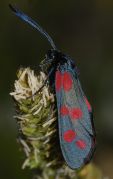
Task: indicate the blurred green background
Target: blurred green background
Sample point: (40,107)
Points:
(82,29)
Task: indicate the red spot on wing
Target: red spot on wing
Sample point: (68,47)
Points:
(67,81)
(64,110)
(58,81)
(69,135)
(75,113)
(81,144)
(88,104)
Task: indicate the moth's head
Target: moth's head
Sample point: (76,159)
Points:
(50,60)
(53,55)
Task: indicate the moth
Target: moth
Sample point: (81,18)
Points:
(75,120)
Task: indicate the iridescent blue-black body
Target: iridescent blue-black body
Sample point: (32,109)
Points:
(76,128)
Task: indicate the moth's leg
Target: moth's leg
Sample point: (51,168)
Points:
(45,62)
(43,83)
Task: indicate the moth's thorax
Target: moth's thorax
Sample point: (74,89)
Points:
(57,58)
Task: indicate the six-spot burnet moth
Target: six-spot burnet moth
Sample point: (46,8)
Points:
(75,120)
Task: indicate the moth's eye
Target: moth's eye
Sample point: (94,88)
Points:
(53,56)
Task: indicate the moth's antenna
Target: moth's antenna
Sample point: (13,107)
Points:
(27,19)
